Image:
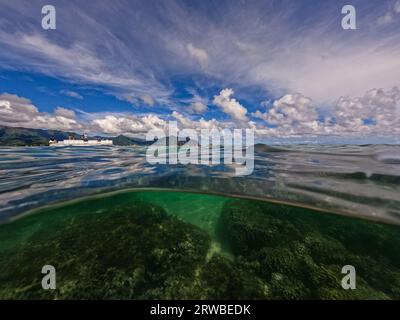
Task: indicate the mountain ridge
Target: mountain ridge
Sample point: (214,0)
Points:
(20,136)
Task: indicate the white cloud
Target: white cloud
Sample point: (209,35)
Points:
(230,105)
(20,112)
(147,99)
(291,109)
(136,100)
(378,107)
(293,114)
(200,55)
(71,94)
(377,112)
(78,62)
(126,124)
(15,109)
(185,122)
(317,60)
(396,7)
(63,112)
(198,107)
(389,16)
(76,59)
(385,19)
(264,47)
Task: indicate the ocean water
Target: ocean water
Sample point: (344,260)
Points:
(363,181)
(115,226)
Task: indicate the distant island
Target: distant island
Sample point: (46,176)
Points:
(17,136)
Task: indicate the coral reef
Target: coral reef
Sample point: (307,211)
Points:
(299,253)
(129,252)
(112,249)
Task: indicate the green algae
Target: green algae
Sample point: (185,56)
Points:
(300,253)
(176,245)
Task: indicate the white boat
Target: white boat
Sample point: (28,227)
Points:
(80,142)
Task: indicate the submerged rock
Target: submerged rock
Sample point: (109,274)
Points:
(299,253)
(129,252)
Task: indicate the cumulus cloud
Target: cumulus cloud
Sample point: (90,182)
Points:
(291,109)
(375,113)
(230,105)
(185,122)
(63,112)
(20,112)
(15,109)
(126,124)
(293,114)
(197,107)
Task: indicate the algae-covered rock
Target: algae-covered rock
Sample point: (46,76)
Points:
(129,252)
(224,279)
(299,254)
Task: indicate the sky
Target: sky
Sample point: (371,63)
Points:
(285,68)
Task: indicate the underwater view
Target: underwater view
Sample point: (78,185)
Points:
(111,234)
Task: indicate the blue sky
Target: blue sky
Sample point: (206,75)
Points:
(285,68)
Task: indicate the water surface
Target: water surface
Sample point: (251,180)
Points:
(357,180)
